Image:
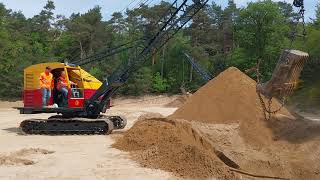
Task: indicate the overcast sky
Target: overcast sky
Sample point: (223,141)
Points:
(65,7)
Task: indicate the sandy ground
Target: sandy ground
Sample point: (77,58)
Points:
(74,157)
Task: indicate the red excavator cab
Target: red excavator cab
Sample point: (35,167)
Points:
(286,75)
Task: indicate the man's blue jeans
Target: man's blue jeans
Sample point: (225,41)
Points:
(64,92)
(46,94)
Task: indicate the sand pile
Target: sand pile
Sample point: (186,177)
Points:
(173,146)
(179,101)
(230,98)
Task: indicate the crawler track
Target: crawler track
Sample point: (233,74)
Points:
(57,125)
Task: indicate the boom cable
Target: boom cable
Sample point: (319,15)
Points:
(128,6)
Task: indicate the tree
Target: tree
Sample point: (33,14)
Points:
(160,84)
(140,82)
(229,16)
(317,20)
(261,33)
(118,23)
(88,32)
(42,21)
(203,33)
(261,26)
(287,11)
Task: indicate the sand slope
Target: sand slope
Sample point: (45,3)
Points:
(230,98)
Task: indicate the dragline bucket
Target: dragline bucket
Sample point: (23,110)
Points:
(285,76)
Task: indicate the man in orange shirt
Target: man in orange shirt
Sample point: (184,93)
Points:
(46,85)
(62,86)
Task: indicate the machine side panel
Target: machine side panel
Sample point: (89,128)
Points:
(33,98)
(88,93)
(76,103)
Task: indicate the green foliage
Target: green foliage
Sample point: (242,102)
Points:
(160,84)
(261,34)
(317,20)
(312,44)
(97,72)
(140,83)
(261,28)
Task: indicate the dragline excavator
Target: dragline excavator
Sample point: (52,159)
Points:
(91,97)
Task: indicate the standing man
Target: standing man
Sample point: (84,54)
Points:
(46,85)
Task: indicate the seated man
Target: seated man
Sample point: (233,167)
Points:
(62,86)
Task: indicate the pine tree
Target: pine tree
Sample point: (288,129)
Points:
(317,20)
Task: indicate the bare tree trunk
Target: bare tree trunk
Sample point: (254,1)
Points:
(162,62)
(81,50)
(153,57)
(90,44)
(191,73)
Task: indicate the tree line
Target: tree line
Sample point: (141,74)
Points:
(217,38)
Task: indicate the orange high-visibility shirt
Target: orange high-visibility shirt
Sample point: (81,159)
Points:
(46,80)
(62,83)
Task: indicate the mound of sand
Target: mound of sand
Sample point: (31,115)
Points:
(230,98)
(173,146)
(179,101)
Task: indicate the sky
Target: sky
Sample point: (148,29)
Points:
(66,7)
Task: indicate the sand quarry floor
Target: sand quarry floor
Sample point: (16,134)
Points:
(89,157)
(74,157)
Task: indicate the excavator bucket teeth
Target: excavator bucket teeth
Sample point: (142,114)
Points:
(286,75)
